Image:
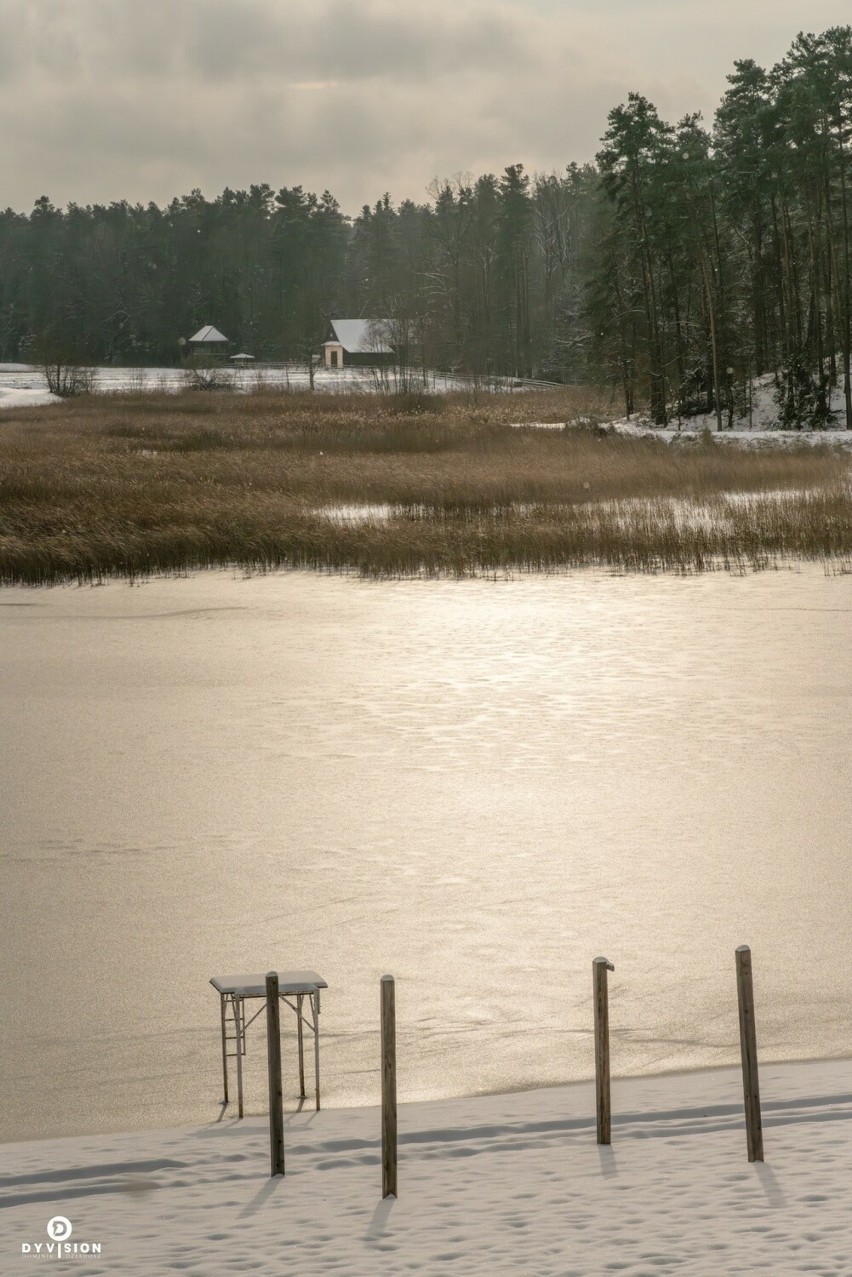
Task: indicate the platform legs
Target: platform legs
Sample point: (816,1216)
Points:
(224,1047)
(238,1031)
(300,998)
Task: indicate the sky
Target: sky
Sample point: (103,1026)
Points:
(143,100)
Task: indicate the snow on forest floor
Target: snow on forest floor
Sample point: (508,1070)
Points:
(508,1184)
(758,437)
(759,429)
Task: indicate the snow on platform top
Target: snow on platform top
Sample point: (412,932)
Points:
(254,986)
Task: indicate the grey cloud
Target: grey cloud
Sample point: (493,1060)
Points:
(144,99)
(389,41)
(338,40)
(222,40)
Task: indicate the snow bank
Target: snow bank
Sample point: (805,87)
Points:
(509,1184)
(758,438)
(19,397)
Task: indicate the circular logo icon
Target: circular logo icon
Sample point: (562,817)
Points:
(59,1228)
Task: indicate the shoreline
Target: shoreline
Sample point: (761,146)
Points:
(628,1082)
(500,1183)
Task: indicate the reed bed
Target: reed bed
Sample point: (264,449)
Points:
(133,486)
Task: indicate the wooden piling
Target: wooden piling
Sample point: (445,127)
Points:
(389,1125)
(273,1055)
(600,966)
(748,1050)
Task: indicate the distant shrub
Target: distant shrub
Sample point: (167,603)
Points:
(207,375)
(67,380)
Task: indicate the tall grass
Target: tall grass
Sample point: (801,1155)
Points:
(148,484)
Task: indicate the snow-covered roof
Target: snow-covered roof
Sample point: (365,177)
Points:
(207,333)
(363,336)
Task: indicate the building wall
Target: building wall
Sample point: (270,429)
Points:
(208,349)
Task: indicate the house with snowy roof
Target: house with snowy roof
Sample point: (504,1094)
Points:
(365,343)
(208,341)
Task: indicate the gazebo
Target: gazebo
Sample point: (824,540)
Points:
(208,341)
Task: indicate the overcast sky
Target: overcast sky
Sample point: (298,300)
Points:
(146,99)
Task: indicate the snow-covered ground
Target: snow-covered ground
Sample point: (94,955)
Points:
(759,437)
(19,383)
(509,1184)
(760,428)
(23,397)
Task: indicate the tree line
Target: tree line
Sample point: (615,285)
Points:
(683,263)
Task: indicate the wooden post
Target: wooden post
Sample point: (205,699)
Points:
(389,1129)
(315,1010)
(748,1050)
(600,966)
(273,1055)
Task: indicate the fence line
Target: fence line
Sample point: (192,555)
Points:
(600,1001)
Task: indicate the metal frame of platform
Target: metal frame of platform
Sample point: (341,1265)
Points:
(235,990)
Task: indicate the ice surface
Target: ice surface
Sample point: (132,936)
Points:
(477,786)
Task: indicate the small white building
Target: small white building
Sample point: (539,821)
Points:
(359,342)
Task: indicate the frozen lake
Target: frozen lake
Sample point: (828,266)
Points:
(476,785)
(26,383)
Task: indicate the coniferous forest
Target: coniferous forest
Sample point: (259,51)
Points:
(687,260)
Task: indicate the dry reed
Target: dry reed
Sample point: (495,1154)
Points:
(148,484)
